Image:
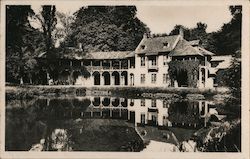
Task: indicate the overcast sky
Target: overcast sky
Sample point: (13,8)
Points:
(162,19)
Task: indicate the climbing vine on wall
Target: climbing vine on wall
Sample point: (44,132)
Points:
(191,67)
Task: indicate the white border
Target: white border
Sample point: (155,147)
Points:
(245,85)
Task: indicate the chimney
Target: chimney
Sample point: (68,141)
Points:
(181,31)
(145,36)
(80,46)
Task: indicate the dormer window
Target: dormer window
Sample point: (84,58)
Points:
(143,47)
(165,45)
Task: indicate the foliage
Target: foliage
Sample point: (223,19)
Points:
(65,20)
(226,41)
(23,43)
(106,28)
(183,112)
(228,38)
(190,67)
(232,78)
(48,21)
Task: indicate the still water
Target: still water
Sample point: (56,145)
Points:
(102,123)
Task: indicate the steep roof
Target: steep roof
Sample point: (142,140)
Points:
(194,42)
(156,44)
(184,48)
(76,54)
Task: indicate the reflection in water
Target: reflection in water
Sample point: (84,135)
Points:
(62,122)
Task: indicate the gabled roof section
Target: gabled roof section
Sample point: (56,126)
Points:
(157,44)
(194,42)
(184,48)
(205,52)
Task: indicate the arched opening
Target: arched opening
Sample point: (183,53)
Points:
(96,78)
(116,77)
(115,102)
(125,77)
(65,77)
(182,78)
(124,103)
(96,101)
(131,79)
(106,101)
(106,77)
(75,75)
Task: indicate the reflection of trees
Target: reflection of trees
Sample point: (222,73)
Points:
(22,128)
(183,112)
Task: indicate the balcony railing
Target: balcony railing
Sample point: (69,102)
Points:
(107,67)
(152,67)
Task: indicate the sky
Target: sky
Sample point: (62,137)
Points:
(162,19)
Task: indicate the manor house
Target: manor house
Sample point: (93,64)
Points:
(147,66)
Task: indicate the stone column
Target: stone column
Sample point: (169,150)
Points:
(121,79)
(112,80)
(101,79)
(200,78)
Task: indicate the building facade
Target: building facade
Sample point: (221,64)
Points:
(147,66)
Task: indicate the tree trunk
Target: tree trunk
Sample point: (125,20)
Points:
(21,81)
(30,80)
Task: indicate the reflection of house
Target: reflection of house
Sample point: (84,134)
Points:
(152,112)
(147,66)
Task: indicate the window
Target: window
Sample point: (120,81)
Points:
(165,104)
(165,78)
(153,78)
(165,45)
(143,47)
(132,102)
(143,119)
(142,60)
(153,61)
(165,58)
(153,103)
(143,78)
(143,102)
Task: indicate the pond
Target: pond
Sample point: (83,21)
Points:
(101,123)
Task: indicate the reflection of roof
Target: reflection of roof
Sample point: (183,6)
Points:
(155,45)
(182,134)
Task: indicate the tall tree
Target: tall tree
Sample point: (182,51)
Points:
(48,21)
(228,38)
(106,28)
(65,21)
(19,43)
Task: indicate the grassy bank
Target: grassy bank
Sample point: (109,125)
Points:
(26,92)
(156,92)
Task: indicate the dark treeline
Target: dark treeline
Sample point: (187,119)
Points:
(102,28)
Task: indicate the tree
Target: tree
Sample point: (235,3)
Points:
(228,38)
(106,28)
(48,22)
(20,43)
(176,31)
(65,20)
